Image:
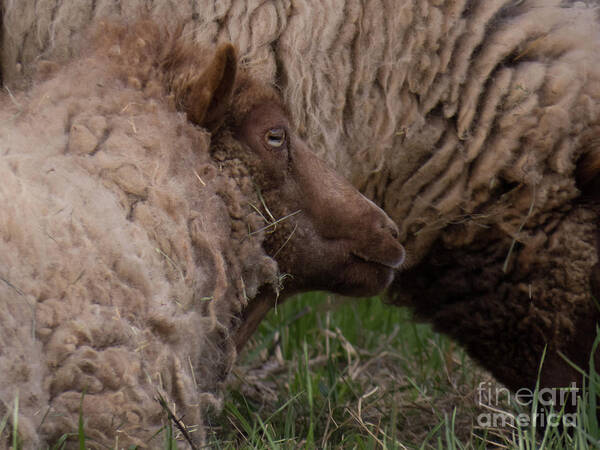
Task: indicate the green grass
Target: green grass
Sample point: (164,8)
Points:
(329,372)
(326,372)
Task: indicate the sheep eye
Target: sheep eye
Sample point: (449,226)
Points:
(275,137)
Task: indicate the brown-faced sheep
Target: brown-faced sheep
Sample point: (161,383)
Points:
(464,119)
(134,239)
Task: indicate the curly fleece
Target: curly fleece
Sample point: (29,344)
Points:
(428,106)
(124,254)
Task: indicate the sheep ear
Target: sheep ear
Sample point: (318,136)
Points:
(209,97)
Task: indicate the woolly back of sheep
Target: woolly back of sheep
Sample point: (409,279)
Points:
(124,254)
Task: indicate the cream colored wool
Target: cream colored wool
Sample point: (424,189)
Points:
(422,104)
(463,119)
(121,271)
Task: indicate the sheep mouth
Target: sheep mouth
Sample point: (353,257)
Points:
(365,259)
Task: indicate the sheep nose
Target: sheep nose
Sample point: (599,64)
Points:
(391,251)
(390,226)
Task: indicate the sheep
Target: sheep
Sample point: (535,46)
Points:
(153,196)
(473,124)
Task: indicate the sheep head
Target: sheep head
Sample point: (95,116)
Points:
(319,228)
(333,238)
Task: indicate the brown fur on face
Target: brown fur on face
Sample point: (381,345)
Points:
(337,239)
(330,237)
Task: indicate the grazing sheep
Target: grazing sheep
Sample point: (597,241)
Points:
(152,194)
(466,120)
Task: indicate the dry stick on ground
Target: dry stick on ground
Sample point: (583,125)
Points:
(176,421)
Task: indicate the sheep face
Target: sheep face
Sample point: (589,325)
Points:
(317,226)
(323,232)
(330,236)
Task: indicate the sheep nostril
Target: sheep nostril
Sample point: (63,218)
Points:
(391,227)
